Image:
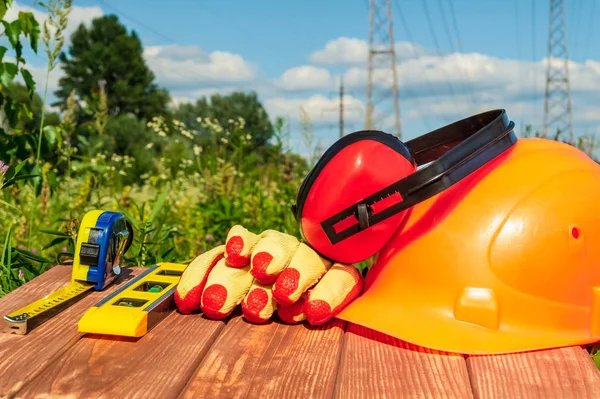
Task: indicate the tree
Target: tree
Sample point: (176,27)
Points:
(231,106)
(18,93)
(106,54)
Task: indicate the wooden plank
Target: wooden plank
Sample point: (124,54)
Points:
(158,364)
(39,287)
(24,357)
(272,360)
(557,373)
(376,365)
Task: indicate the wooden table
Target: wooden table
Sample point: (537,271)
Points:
(190,356)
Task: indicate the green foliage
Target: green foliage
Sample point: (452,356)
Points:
(223,108)
(595,353)
(107,54)
(181,179)
(12,110)
(29,122)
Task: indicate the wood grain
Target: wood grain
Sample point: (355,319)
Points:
(375,365)
(25,356)
(269,361)
(557,373)
(42,285)
(157,365)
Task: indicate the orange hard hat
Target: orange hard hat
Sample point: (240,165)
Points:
(506,260)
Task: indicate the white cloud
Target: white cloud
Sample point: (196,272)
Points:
(191,68)
(304,78)
(320,109)
(348,51)
(342,51)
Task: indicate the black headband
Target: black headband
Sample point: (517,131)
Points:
(455,150)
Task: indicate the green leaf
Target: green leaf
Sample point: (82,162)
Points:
(32,256)
(9,205)
(2,51)
(15,179)
(6,250)
(31,28)
(55,233)
(71,245)
(158,205)
(25,109)
(129,217)
(51,133)
(168,255)
(55,241)
(3,8)
(52,181)
(8,73)
(29,271)
(29,82)
(12,31)
(20,166)
(83,140)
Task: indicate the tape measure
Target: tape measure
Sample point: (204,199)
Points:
(138,306)
(102,240)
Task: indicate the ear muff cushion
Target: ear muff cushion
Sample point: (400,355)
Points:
(353,168)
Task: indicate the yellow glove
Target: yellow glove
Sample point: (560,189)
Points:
(266,272)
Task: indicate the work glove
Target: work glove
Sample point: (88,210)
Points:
(266,273)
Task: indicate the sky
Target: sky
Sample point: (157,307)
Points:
(480,55)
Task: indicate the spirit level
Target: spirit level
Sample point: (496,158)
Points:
(138,306)
(102,240)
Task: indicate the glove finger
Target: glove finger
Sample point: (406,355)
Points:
(238,246)
(294,313)
(304,270)
(258,305)
(192,280)
(340,285)
(271,255)
(225,288)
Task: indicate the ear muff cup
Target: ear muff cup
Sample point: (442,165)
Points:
(356,166)
(363,187)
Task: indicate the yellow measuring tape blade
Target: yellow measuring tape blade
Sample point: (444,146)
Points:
(22,320)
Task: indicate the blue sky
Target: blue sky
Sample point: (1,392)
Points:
(294,52)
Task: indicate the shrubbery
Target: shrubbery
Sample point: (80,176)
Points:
(182,184)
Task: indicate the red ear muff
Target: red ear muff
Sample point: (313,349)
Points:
(359,192)
(355,166)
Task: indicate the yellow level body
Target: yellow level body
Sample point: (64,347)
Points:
(136,307)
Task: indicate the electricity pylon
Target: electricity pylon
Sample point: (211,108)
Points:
(381,47)
(557,106)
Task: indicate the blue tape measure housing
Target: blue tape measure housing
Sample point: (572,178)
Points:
(105,247)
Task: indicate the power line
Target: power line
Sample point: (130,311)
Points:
(456,30)
(148,27)
(518,37)
(437,45)
(466,86)
(411,94)
(576,26)
(589,31)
